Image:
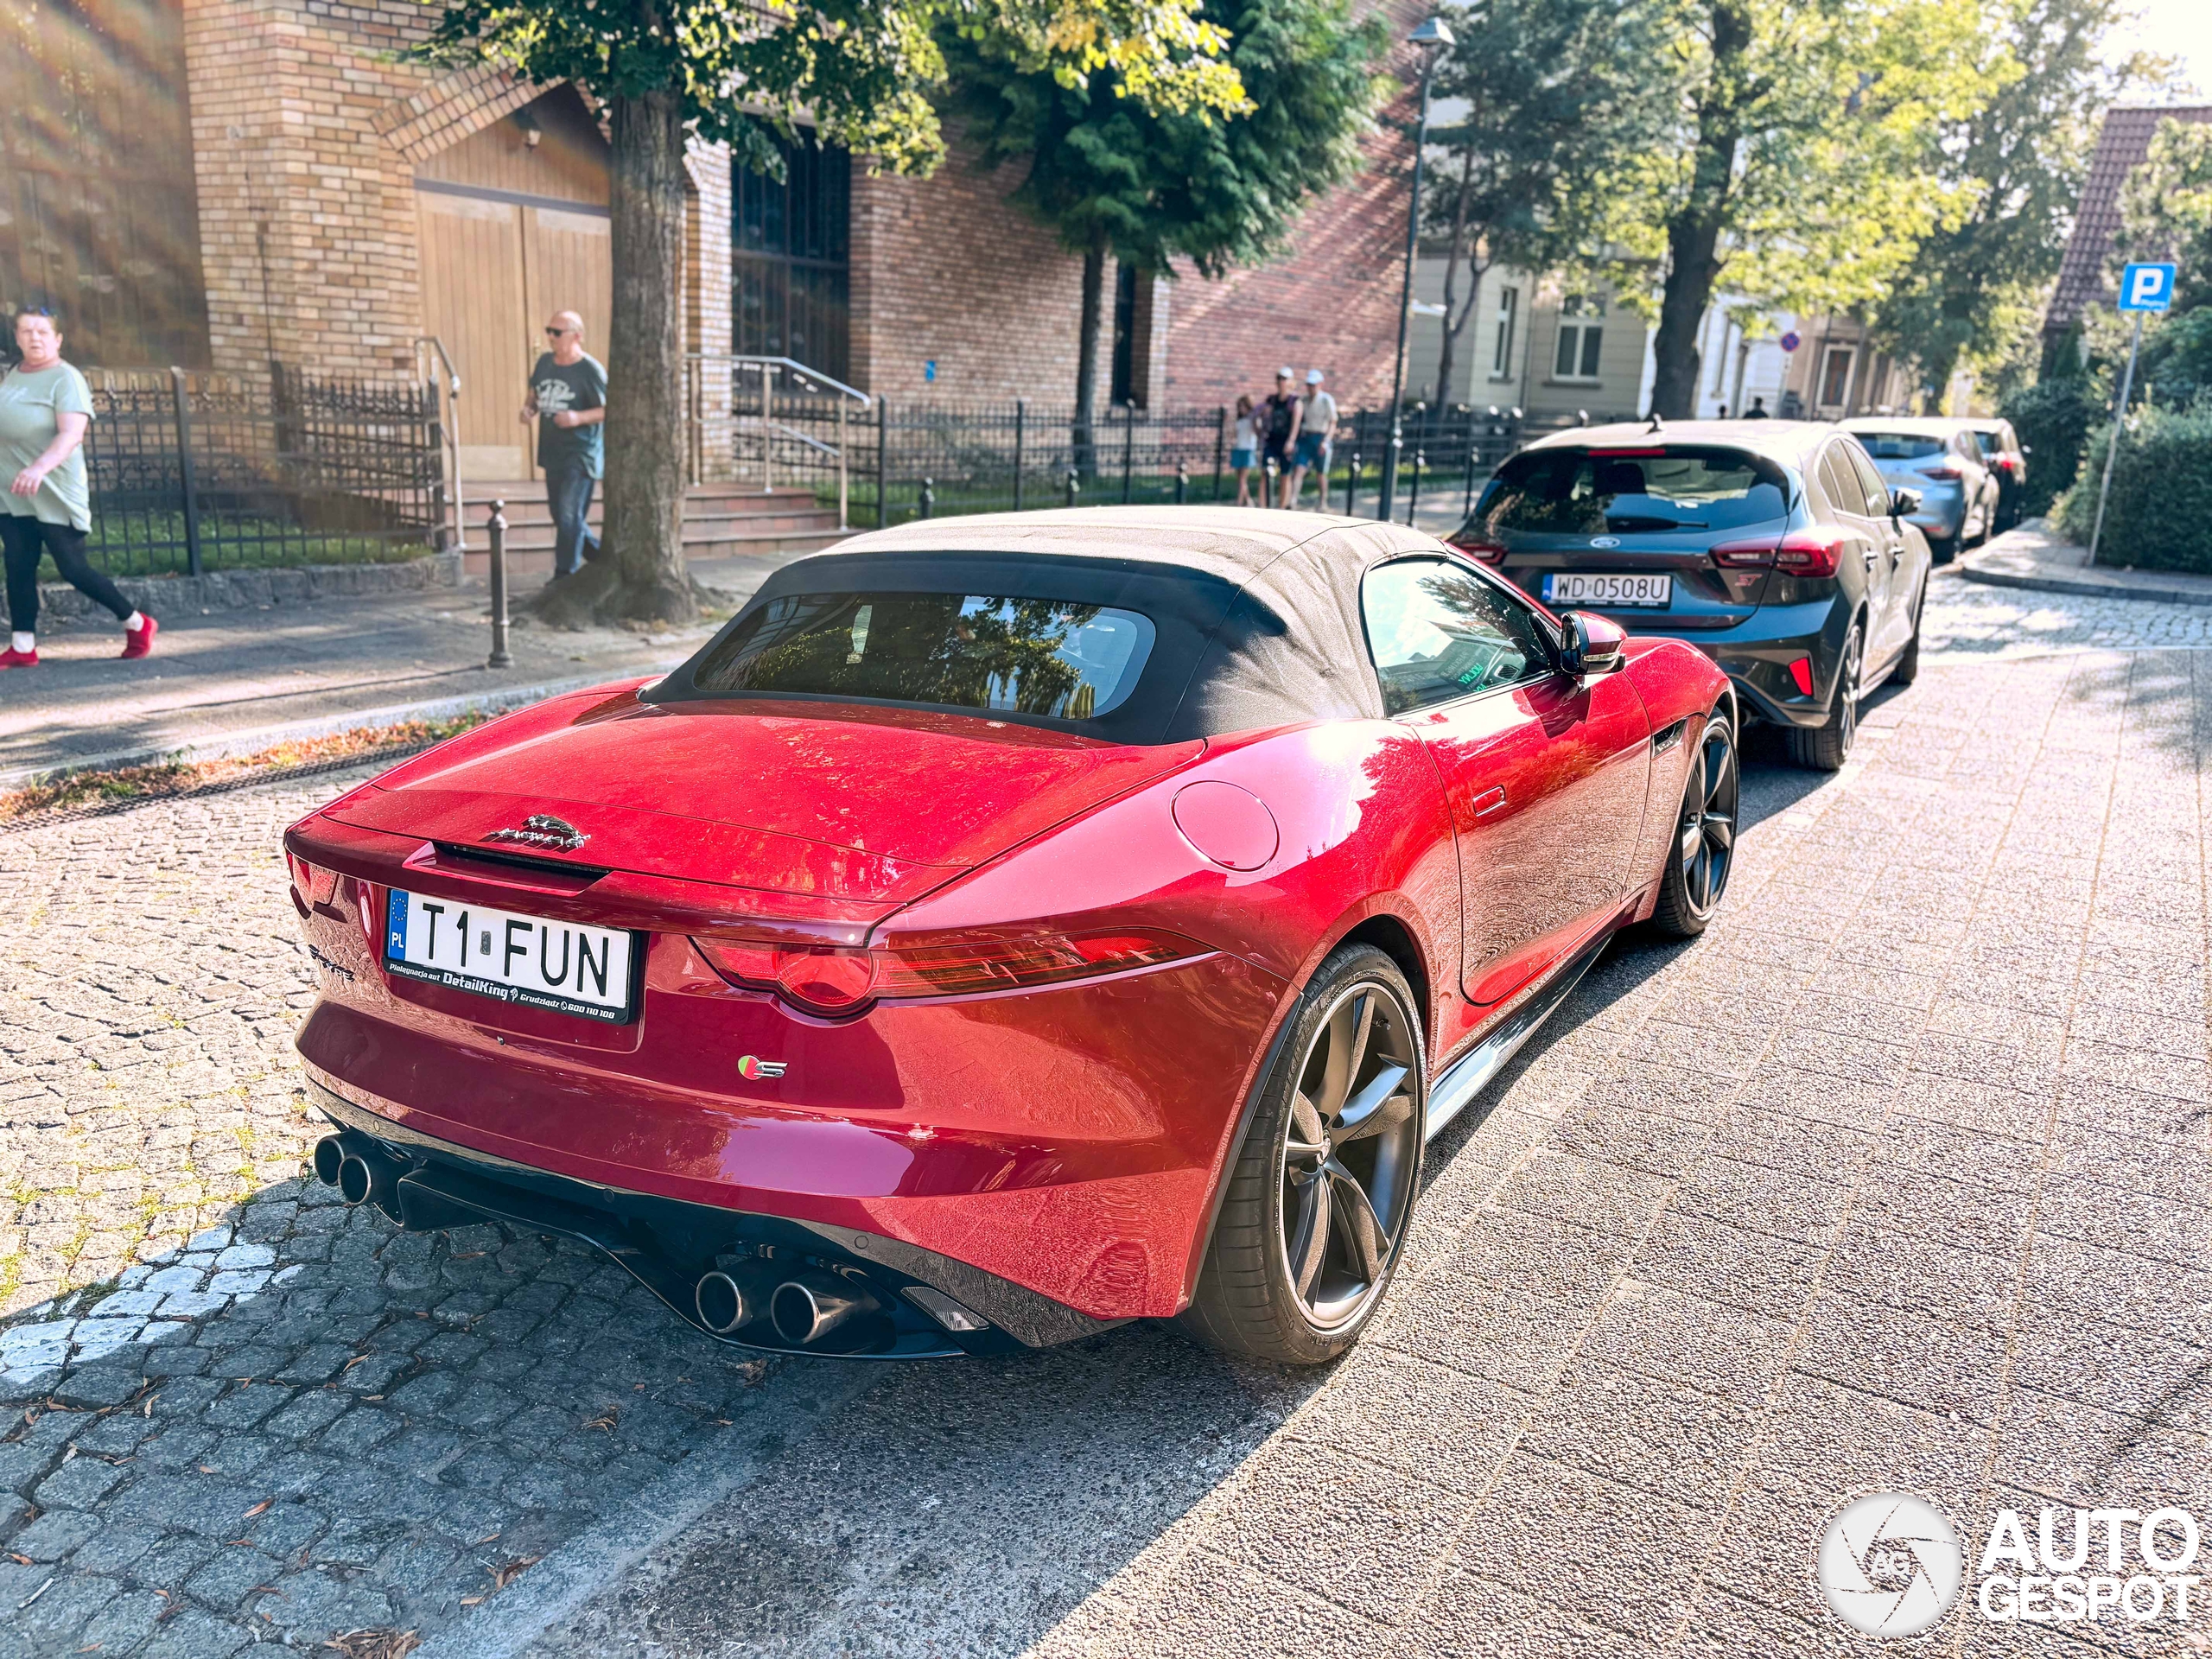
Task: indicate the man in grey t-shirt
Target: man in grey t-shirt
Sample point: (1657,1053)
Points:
(568,399)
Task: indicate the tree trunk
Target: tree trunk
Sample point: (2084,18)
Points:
(1694,231)
(641,574)
(1086,354)
(1448,352)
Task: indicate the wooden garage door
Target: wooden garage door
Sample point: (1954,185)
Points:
(570,268)
(474,300)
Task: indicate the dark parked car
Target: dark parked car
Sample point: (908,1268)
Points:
(2008,459)
(1778,549)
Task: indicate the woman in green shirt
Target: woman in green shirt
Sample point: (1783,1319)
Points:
(45,410)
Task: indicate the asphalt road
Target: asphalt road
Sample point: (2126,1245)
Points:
(1900,1178)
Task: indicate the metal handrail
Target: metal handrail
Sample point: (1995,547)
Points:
(769,368)
(806,438)
(453,427)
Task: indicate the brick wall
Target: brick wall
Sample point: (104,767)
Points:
(945,270)
(307,212)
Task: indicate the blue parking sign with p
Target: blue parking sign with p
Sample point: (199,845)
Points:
(2146,288)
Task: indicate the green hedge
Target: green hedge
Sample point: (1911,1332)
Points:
(2160,517)
(2053,418)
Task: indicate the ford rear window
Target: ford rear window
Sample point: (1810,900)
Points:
(1901,446)
(1044,657)
(1659,490)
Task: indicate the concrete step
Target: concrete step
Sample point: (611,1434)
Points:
(698,527)
(537,561)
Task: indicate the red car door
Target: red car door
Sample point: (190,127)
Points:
(1544,776)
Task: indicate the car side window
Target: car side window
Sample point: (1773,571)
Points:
(1438,632)
(1840,482)
(1870,480)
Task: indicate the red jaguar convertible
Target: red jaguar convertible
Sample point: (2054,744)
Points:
(1006,927)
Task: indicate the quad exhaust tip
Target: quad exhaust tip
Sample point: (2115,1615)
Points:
(722,1304)
(356,1180)
(809,1306)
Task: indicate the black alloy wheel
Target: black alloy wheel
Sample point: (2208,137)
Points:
(1704,854)
(1825,747)
(1321,1195)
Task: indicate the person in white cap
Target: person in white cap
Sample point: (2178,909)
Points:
(1317,430)
(1278,431)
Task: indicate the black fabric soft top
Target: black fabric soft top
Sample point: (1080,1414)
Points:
(1257,625)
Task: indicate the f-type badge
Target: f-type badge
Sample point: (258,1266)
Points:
(543,829)
(752,1068)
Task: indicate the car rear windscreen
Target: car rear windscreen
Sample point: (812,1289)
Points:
(1992,443)
(1901,446)
(1656,490)
(1050,658)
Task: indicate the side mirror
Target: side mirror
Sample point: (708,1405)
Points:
(1593,645)
(1904,503)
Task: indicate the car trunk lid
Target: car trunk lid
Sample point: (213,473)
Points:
(819,800)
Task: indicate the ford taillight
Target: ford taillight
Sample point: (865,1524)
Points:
(1744,555)
(1950,475)
(834,980)
(1815,552)
(1476,547)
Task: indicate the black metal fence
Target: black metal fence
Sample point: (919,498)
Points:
(907,461)
(193,471)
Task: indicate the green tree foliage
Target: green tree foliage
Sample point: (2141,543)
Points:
(1147,185)
(2053,418)
(863,72)
(1794,165)
(1545,99)
(2016,161)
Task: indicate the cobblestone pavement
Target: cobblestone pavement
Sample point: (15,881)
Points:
(1967,619)
(1898,1179)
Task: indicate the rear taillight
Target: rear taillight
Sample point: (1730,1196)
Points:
(832,981)
(1744,555)
(1476,548)
(1810,552)
(312,882)
(1950,474)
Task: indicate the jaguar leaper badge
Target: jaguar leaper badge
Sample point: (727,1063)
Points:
(543,829)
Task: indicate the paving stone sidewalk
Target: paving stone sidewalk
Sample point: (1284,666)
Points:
(230,674)
(2034,555)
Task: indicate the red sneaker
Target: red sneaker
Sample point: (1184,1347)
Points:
(13,658)
(138,642)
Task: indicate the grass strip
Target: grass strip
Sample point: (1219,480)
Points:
(93,793)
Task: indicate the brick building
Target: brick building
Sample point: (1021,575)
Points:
(223,182)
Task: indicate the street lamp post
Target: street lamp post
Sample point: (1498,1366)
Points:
(1430,38)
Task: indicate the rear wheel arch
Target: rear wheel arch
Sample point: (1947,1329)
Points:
(1387,931)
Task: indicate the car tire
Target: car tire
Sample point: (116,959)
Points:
(1907,669)
(1942,549)
(1704,854)
(1825,747)
(1302,1154)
